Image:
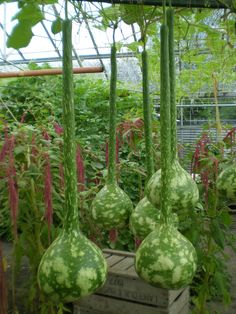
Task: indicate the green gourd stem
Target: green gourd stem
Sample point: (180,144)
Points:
(165,126)
(112,118)
(71,208)
(164,11)
(147,115)
(173,115)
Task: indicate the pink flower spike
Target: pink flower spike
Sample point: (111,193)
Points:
(113,235)
(137,242)
(58,129)
(46,135)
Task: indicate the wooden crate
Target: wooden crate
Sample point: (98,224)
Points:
(125,293)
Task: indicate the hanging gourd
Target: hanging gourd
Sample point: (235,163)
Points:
(226,183)
(73,266)
(145,217)
(184,193)
(111,207)
(166,258)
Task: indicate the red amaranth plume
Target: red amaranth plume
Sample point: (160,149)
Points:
(22,119)
(137,242)
(229,138)
(201,151)
(3,284)
(80,170)
(5,147)
(58,129)
(46,135)
(129,128)
(34,149)
(12,187)
(113,235)
(48,193)
(205,170)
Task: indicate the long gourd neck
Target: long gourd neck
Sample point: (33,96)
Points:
(170,24)
(71,207)
(147,115)
(111,178)
(165,126)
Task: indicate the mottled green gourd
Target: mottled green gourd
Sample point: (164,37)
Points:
(111,207)
(184,192)
(73,266)
(146,218)
(166,258)
(226,183)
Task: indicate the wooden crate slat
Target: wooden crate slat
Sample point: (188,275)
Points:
(179,302)
(185,309)
(106,255)
(137,290)
(123,265)
(130,272)
(107,305)
(113,259)
(97,304)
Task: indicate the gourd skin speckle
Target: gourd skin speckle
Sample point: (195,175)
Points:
(166,259)
(111,207)
(226,183)
(71,268)
(145,218)
(184,191)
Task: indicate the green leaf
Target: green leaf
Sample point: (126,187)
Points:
(56,26)
(111,14)
(217,233)
(21,36)
(19,149)
(132,13)
(96,165)
(226,218)
(221,284)
(30,13)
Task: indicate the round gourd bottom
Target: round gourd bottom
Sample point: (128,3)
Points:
(166,259)
(111,207)
(71,268)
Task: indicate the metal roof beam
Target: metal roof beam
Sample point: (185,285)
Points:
(213,4)
(57,59)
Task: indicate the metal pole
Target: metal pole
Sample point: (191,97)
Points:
(4,30)
(44,72)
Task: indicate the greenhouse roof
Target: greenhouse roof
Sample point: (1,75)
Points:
(91,41)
